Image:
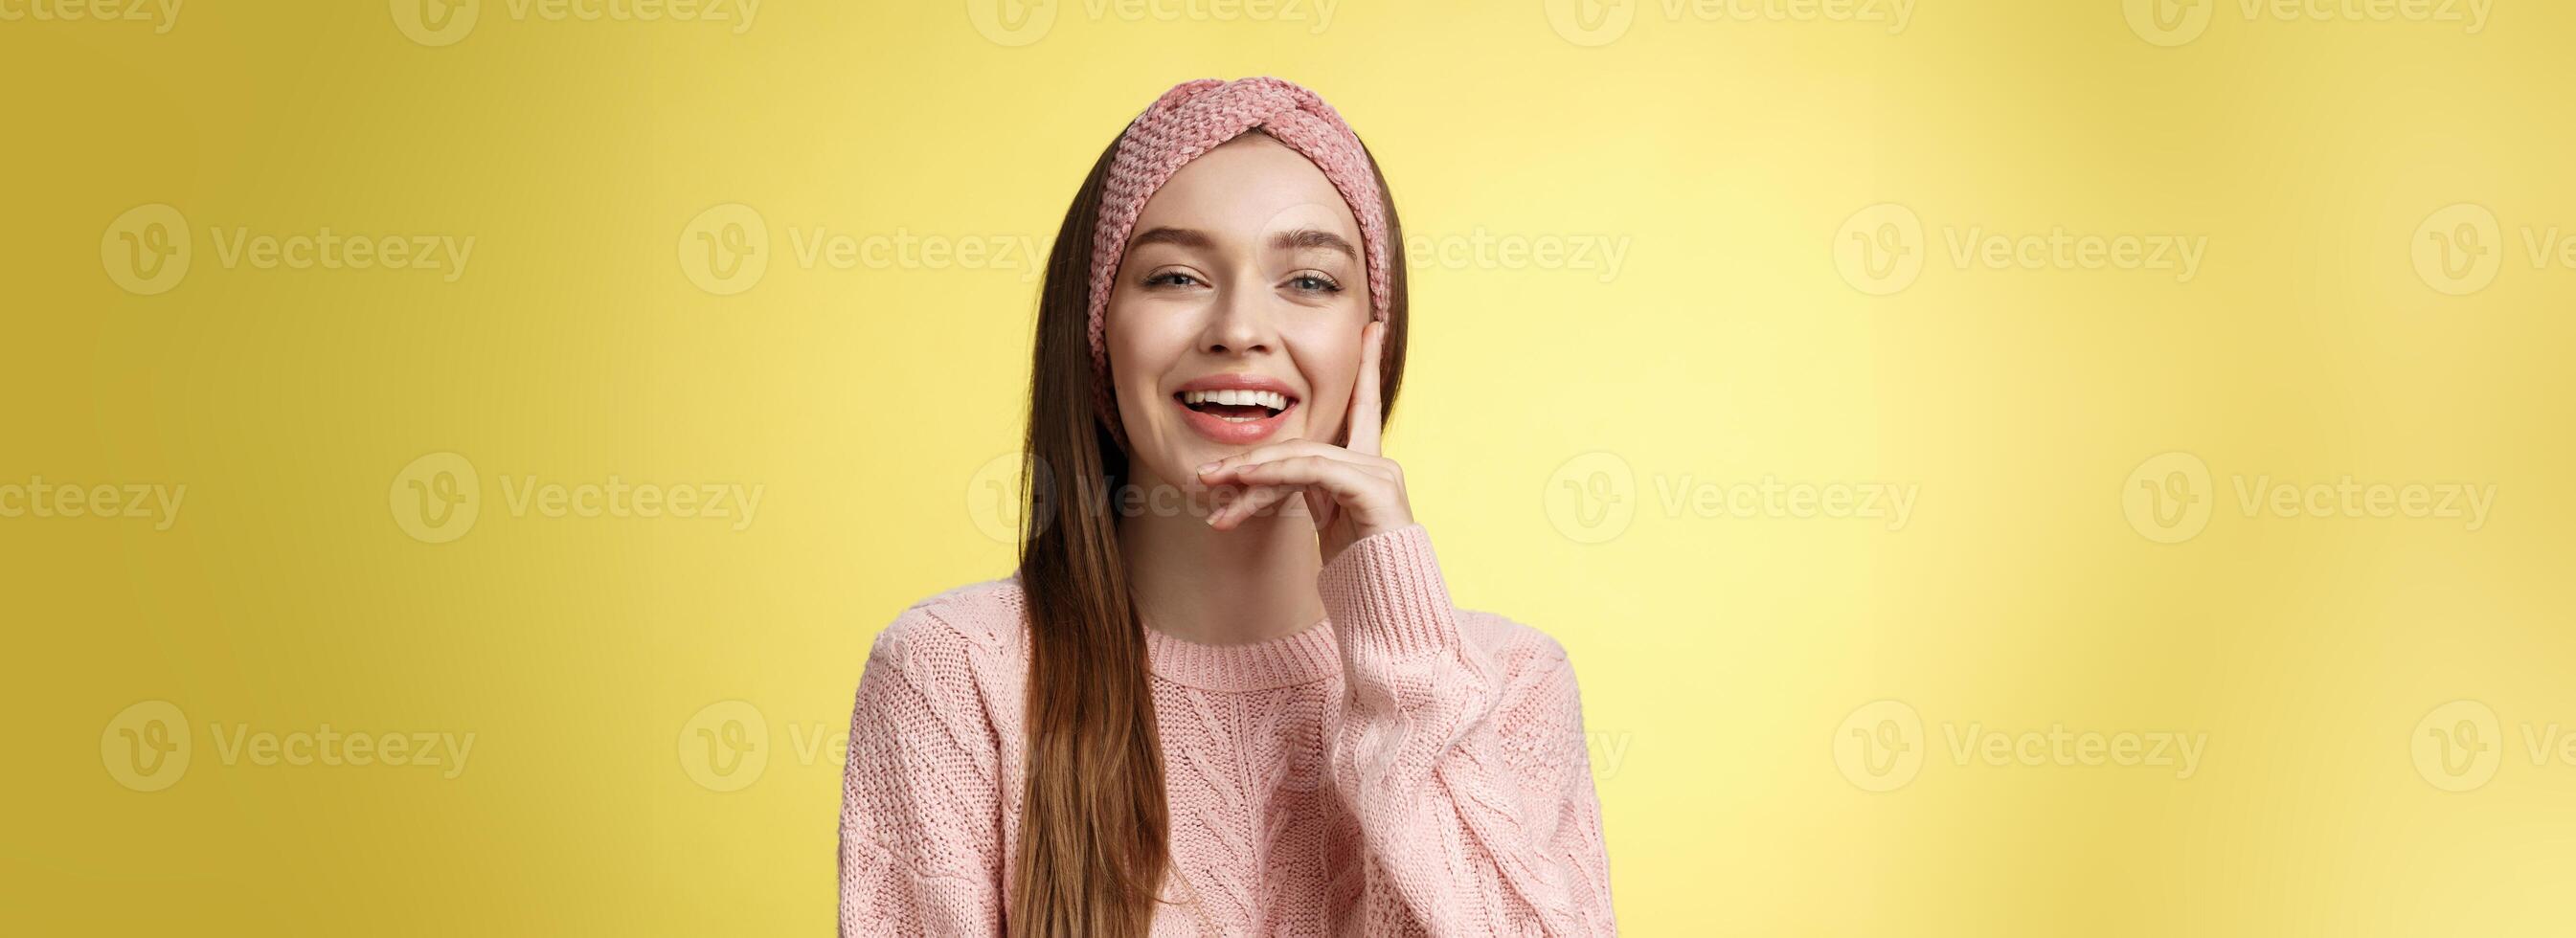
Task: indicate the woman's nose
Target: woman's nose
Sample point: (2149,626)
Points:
(1240,320)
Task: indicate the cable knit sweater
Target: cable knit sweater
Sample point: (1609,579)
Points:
(1402,767)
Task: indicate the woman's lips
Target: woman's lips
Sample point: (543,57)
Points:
(1235,432)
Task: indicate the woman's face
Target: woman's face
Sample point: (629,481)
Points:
(1241,289)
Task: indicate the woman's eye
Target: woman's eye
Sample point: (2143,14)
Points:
(1170,278)
(1316,283)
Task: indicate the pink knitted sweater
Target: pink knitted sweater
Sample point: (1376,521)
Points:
(1403,767)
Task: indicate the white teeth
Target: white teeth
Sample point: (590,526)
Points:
(1270,399)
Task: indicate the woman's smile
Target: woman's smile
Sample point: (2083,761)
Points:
(1236,408)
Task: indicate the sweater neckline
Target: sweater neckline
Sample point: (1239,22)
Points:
(1304,655)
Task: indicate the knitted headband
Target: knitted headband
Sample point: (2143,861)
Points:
(1193,118)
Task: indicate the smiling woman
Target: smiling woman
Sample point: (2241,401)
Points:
(1250,706)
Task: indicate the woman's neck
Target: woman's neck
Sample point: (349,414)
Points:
(1199,584)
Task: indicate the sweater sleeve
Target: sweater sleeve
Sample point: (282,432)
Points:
(920,807)
(1465,765)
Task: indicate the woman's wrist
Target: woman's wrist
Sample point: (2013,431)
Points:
(1385,594)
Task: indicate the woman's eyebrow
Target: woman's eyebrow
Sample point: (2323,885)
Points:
(1183,237)
(1304,238)
(1295,240)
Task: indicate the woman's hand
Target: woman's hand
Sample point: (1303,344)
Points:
(1350,492)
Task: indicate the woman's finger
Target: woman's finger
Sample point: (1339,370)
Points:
(1343,483)
(1364,396)
(1286,449)
(1253,501)
(1320,507)
(1347,482)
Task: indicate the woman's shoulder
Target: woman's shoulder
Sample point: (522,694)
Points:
(1519,646)
(972,623)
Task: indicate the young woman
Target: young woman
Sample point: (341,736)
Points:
(1225,693)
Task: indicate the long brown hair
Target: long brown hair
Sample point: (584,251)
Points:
(1094,832)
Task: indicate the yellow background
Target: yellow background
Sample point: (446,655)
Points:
(1719,655)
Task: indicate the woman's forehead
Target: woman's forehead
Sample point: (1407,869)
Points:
(1250,185)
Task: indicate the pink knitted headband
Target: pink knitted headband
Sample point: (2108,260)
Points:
(1191,119)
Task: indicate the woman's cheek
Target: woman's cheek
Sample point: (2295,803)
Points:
(1333,387)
